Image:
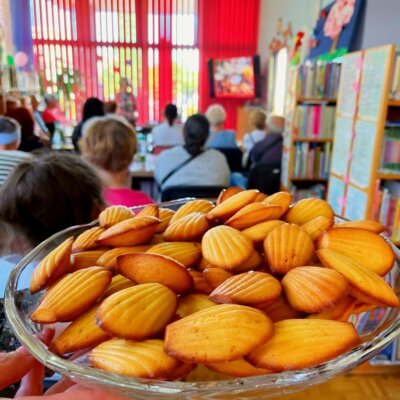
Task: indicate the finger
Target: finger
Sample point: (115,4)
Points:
(61,386)
(32,382)
(83,393)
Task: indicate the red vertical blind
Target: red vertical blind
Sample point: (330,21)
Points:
(83,47)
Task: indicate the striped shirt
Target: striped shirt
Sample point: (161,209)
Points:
(9,159)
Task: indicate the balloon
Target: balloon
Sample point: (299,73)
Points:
(21,59)
(10,60)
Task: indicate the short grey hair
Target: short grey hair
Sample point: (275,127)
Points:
(50,97)
(216,114)
(10,125)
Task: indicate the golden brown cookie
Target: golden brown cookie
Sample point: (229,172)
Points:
(186,253)
(85,259)
(282,199)
(216,276)
(316,227)
(192,303)
(239,368)
(307,209)
(117,283)
(87,240)
(150,210)
(257,233)
(109,258)
(165,217)
(113,215)
(279,310)
(194,206)
(200,283)
(189,228)
(228,192)
(367,224)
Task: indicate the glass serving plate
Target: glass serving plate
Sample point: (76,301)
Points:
(377,329)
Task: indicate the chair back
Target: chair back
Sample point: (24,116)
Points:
(265,178)
(179,192)
(233,157)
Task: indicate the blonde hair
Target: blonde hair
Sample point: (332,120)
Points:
(216,114)
(258,119)
(109,143)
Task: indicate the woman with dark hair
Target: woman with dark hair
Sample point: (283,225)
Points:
(93,107)
(191,164)
(169,133)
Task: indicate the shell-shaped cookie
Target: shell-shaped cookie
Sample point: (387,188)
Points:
(186,253)
(253,214)
(137,313)
(257,233)
(87,240)
(282,199)
(316,227)
(254,262)
(307,209)
(239,368)
(260,197)
(118,282)
(85,259)
(130,232)
(362,246)
(155,268)
(145,359)
(165,216)
(367,224)
(189,228)
(304,343)
(314,289)
(232,205)
(279,310)
(72,295)
(288,246)
(247,289)
(150,210)
(216,276)
(359,277)
(52,267)
(217,334)
(340,312)
(228,192)
(226,247)
(200,283)
(192,303)
(81,334)
(195,206)
(109,258)
(113,215)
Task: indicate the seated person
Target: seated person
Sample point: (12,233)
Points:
(110,107)
(269,150)
(10,139)
(169,133)
(258,120)
(52,114)
(219,137)
(190,164)
(109,143)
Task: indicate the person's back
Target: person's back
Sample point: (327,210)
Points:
(166,135)
(258,121)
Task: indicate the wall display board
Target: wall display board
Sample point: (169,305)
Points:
(343,136)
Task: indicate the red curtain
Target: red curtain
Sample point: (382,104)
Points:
(227,28)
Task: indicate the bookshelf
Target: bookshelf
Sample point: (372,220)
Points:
(308,136)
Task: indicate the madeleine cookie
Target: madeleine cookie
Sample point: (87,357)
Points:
(195,206)
(200,283)
(314,289)
(109,258)
(288,246)
(189,228)
(145,359)
(137,313)
(186,253)
(316,227)
(117,283)
(52,267)
(130,232)
(215,276)
(228,192)
(155,268)
(87,240)
(151,210)
(340,312)
(239,368)
(226,247)
(257,233)
(247,289)
(304,343)
(307,209)
(192,303)
(360,245)
(217,334)
(367,224)
(281,199)
(279,310)
(85,259)
(72,295)
(113,215)
(165,216)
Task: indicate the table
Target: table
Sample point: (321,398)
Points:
(143,179)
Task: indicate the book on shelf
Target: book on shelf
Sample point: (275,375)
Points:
(319,79)
(390,155)
(314,121)
(315,191)
(311,160)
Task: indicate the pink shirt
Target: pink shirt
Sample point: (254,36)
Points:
(126,197)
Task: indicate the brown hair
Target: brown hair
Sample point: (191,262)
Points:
(49,193)
(258,119)
(109,143)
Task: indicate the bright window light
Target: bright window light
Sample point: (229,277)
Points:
(280,82)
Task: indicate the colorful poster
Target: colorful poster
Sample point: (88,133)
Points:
(363,153)
(336,197)
(356,204)
(342,145)
(375,70)
(349,84)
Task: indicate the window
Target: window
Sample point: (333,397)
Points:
(84,47)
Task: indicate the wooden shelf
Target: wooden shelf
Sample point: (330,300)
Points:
(316,100)
(394,103)
(311,140)
(295,179)
(389,177)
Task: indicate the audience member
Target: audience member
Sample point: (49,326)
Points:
(258,120)
(93,107)
(219,137)
(269,150)
(169,133)
(109,143)
(52,115)
(190,164)
(41,129)
(110,107)
(29,141)
(10,139)
(126,101)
